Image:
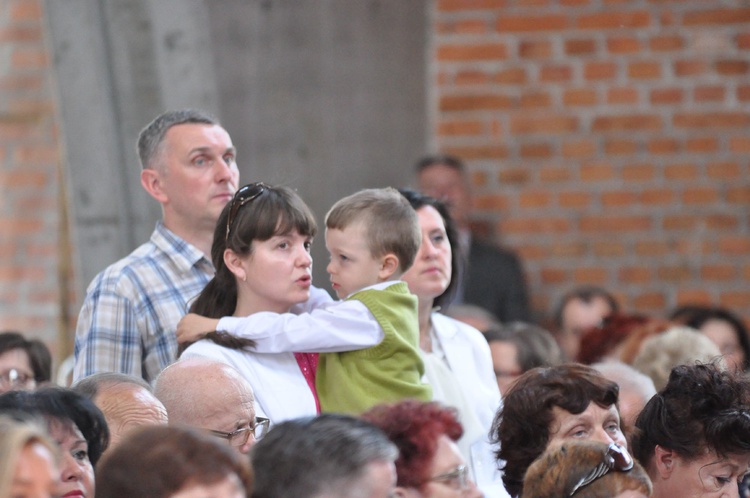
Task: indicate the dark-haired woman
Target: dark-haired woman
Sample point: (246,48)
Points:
(551,405)
(693,437)
(75,424)
(24,363)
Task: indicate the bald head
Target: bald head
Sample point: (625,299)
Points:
(206,394)
(127,402)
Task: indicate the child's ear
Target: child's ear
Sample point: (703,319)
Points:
(235,264)
(388,266)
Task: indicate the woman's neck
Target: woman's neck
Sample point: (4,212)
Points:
(247,306)
(425,318)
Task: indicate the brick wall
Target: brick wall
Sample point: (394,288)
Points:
(30,217)
(608,140)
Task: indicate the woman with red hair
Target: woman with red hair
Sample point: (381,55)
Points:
(429,463)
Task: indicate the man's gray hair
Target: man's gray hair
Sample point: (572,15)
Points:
(318,456)
(91,385)
(152,136)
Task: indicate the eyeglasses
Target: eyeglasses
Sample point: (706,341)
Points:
(241,197)
(616,458)
(240,437)
(17,379)
(457,478)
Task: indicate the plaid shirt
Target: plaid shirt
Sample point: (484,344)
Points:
(128,319)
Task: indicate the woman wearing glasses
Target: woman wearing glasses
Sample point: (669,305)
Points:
(430,464)
(693,437)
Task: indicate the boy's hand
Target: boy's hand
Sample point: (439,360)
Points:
(193,327)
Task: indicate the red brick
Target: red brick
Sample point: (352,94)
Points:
(471,78)
(690,67)
(724,170)
(639,122)
(621,147)
(535,99)
(681,171)
(738,195)
(652,248)
(452,5)
(609,248)
(623,45)
(24,179)
(635,275)
(709,93)
(586,46)
(666,43)
(681,222)
(474,102)
(513,175)
(556,73)
(716,16)
(739,144)
(574,199)
(589,275)
(543,124)
(479,152)
(666,96)
(552,174)
(597,172)
(29,58)
(711,119)
(614,223)
(638,172)
(644,70)
(693,296)
(732,68)
(491,203)
(548,224)
(534,199)
(663,146)
(743,41)
(579,96)
(650,300)
(574,3)
(674,273)
(702,145)
(510,76)
(622,96)
(36,155)
(618,199)
(721,222)
(743,92)
(460,128)
(718,272)
(535,49)
(535,150)
(568,249)
(20,34)
(735,299)
(579,148)
(704,195)
(734,245)
(551,22)
(600,70)
(658,196)
(613,20)
(478,178)
(485,51)
(553,275)
(26,10)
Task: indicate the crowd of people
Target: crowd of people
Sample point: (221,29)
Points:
(208,365)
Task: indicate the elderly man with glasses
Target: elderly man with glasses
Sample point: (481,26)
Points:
(212,396)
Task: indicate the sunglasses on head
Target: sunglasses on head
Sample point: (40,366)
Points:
(241,197)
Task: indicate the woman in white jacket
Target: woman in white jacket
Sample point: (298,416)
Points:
(458,363)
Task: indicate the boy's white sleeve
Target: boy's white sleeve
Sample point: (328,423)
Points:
(330,328)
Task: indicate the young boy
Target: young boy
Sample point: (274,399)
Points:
(373,237)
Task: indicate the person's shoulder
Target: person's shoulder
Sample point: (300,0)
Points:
(445,324)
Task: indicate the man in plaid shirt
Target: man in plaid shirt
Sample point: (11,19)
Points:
(130,313)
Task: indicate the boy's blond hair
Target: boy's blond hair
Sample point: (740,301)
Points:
(391,223)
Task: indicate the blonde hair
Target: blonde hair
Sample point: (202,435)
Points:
(390,221)
(679,345)
(15,436)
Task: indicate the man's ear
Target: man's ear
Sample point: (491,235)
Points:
(152,182)
(664,461)
(388,266)
(236,264)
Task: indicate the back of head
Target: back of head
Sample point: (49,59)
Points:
(391,223)
(522,425)
(274,211)
(14,437)
(703,407)
(90,386)
(677,346)
(585,293)
(182,457)
(562,467)
(321,456)
(415,427)
(67,406)
(193,388)
(152,136)
(535,346)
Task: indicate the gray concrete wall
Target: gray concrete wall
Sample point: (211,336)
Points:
(324,96)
